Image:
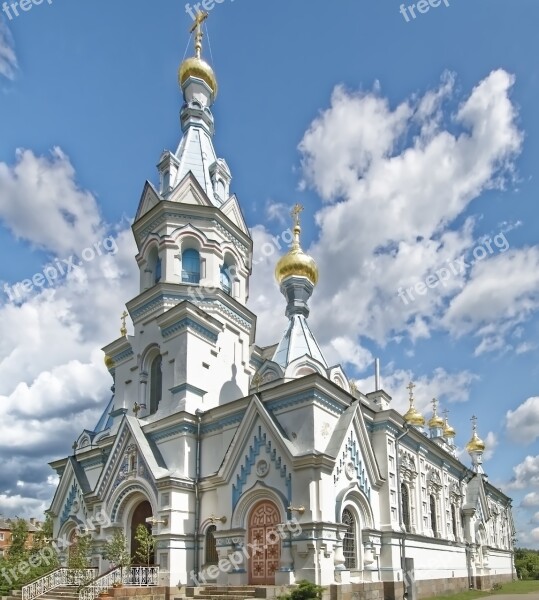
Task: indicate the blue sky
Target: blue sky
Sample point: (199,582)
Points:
(409,143)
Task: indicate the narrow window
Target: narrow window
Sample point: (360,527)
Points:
(405,501)
(190,266)
(433,523)
(157,278)
(349,543)
(454,520)
(156,384)
(211,546)
(226,282)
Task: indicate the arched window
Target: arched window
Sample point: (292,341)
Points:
(349,543)
(226,281)
(433,522)
(156,384)
(157,277)
(211,546)
(190,266)
(405,505)
(454,520)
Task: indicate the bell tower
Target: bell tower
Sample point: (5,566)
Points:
(192,329)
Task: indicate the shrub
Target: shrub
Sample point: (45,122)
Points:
(305,590)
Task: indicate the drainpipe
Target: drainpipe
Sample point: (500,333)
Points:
(399,508)
(198,414)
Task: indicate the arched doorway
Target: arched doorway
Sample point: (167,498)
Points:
(142,512)
(265,543)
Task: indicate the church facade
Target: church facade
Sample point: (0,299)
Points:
(262,466)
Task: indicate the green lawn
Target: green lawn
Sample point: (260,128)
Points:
(515,587)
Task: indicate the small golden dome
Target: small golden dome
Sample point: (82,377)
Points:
(413,417)
(436,421)
(109,363)
(295,261)
(449,431)
(196,67)
(476,444)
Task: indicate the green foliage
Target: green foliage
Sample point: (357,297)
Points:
(116,550)
(79,553)
(146,545)
(19,538)
(527,563)
(305,590)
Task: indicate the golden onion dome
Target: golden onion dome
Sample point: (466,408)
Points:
(414,417)
(436,421)
(449,432)
(295,261)
(199,68)
(476,444)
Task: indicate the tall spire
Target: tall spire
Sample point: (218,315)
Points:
(297,274)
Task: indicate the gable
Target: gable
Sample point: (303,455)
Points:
(350,465)
(189,191)
(232,210)
(150,198)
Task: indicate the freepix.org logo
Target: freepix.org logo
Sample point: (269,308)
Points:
(11,10)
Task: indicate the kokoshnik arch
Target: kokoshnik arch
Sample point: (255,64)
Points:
(205,422)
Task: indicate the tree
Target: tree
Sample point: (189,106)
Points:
(146,544)
(116,550)
(19,538)
(527,563)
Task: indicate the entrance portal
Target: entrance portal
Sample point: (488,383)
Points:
(141,513)
(265,549)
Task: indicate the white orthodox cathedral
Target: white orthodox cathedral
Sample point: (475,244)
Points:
(220,443)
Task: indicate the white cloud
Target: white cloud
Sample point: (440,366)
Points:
(526,474)
(50,392)
(8,59)
(491,441)
(523,422)
(530,500)
(392,196)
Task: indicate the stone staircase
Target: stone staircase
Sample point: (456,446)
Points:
(66,592)
(229,592)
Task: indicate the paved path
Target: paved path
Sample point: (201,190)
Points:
(530,596)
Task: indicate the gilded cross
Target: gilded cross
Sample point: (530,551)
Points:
(199,19)
(256,381)
(410,387)
(445,413)
(123,330)
(136,409)
(434,405)
(75,446)
(296,210)
(474,422)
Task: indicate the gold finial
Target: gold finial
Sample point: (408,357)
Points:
(436,421)
(123,330)
(295,212)
(136,409)
(353,387)
(256,381)
(413,416)
(476,444)
(199,19)
(448,430)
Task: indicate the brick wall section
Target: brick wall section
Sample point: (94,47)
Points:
(356,591)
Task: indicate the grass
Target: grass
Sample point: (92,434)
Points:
(514,587)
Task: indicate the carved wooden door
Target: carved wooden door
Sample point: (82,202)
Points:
(265,548)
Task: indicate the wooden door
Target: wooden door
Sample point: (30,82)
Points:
(265,549)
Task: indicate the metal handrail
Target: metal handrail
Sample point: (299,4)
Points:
(54,579)
(101,584)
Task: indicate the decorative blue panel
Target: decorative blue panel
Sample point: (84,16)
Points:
(260,442)
(352,455)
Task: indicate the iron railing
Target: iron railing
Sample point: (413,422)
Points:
(133,576)
(56,579)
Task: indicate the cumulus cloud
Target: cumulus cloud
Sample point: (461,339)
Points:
(523,422)
(8,59)
(530,500)
(50,392)
(526,474)
(393,181)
